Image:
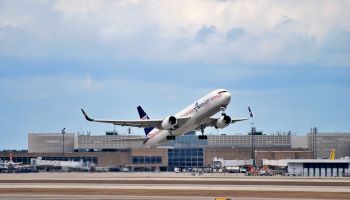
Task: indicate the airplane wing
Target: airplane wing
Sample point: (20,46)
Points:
(238,120)
(210,122)
(144,123)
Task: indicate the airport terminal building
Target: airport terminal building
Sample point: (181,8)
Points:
(186,151)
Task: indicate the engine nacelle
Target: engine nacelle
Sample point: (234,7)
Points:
(169,123)
(223,121)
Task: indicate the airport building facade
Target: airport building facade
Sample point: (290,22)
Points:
(323,143)
(186,151)
(53,142)
(312,167)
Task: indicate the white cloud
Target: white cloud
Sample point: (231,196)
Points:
(168,31)
(42,87)
(48,87)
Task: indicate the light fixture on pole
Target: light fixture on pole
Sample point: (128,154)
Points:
(63,132)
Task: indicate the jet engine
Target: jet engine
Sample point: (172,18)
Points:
(169,123)
(223,121)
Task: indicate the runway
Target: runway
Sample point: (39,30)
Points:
(167,186)
(111,197)
(183,187)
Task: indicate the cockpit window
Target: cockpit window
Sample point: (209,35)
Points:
(222,92)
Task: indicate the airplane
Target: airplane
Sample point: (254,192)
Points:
(10,165)
(196,116)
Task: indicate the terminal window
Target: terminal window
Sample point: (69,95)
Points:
(146,160)
(185,158)
(91,159)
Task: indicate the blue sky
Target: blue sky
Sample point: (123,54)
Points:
(288,60)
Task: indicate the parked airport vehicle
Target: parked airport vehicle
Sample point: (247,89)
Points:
(197,116)
(177,170)
(242,170)
(233,166)
(69,165)
(232,169)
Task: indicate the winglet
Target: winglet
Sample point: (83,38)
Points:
(250,112)
(86,117)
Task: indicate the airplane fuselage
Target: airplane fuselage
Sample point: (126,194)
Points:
(198,112)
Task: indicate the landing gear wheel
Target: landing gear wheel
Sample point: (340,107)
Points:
(202,137)
(223,110)
(171,136)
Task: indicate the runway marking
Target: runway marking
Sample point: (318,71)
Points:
(331,189)
(113,197)
(176,193)
(168,186)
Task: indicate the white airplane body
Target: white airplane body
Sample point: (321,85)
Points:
(197,112)
(197,116)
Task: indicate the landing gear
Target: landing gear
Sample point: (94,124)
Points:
(223,110)
(202,137)
(171,136)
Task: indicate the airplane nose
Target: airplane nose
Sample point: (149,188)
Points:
(227,97)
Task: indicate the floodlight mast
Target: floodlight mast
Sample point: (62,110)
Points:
(252,133)
(63,132)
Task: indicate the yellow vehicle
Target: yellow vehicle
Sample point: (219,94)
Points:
(332,155)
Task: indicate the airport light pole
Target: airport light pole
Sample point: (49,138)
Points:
(63,132)
(314,133)
(313,141)
(253,132)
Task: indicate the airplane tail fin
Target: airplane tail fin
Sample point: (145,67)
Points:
(144,116)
